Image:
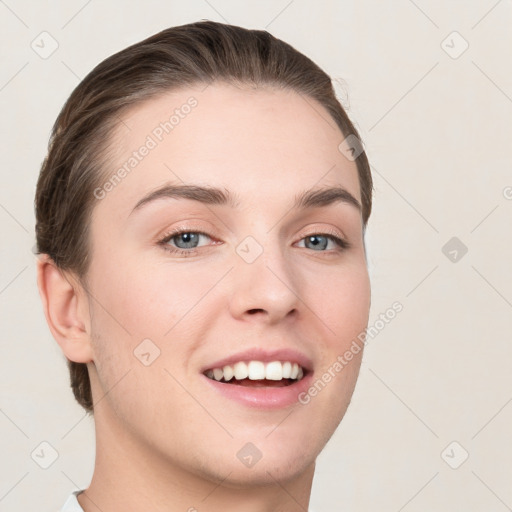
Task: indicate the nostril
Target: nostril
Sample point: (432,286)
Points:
(253,311)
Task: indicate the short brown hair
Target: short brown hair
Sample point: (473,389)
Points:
(186,55)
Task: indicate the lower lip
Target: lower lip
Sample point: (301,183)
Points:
(263,397)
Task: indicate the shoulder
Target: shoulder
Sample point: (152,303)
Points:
(71,504)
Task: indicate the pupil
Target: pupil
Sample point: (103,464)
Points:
(187,240)
(318,241)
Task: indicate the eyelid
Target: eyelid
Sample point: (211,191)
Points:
(318,230)
(166,235)
(182,228)
(175,232)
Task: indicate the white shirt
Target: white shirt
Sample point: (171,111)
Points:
(72,504)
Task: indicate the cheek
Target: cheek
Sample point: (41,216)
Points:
(341,299)
(142,316)
(148,299)
(342,306)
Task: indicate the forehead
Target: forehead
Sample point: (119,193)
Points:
(264,144)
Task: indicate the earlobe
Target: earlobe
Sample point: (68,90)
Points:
(66,310)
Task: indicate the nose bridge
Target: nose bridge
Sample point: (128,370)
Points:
(263,279)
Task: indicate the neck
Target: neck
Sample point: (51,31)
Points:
(130,475)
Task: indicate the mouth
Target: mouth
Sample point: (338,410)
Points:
(261,379)
(257,374)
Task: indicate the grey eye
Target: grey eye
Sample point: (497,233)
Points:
(316,242)
(187,240)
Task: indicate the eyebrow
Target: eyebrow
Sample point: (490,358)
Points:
(313,198)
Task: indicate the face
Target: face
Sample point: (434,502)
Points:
(229,269)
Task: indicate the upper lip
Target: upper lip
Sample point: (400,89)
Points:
(266,356)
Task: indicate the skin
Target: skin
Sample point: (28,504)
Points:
(165,440)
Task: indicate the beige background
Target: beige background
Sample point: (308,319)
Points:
(436,126)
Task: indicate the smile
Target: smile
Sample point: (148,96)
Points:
(258,378)
(258,373)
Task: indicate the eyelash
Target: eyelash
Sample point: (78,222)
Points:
(340,242)
(176,250)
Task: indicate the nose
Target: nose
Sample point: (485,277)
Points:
(264,290)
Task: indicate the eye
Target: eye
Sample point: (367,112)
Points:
(183,241)
(320,242)
(187,239)
(187,242)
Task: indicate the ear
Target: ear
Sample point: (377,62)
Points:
(66,310)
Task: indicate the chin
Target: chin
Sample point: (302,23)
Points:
(240,465)
(264,473)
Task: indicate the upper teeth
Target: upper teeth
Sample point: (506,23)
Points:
(257,370)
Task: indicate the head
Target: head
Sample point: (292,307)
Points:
(172,220)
